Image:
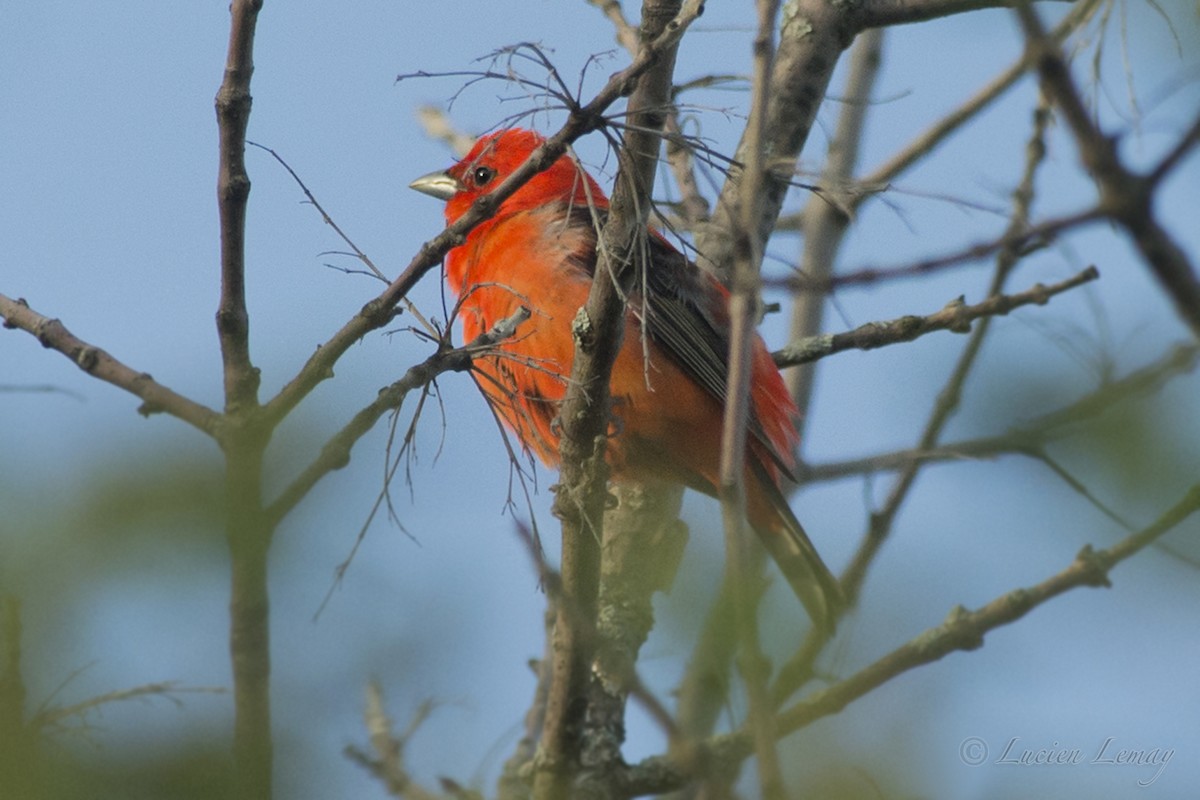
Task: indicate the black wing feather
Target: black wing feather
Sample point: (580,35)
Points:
(672,318)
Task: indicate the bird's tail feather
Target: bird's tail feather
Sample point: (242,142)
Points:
(798,560)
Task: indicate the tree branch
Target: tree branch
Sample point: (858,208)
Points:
(825,221)
(813,35)
(965,630)
(1032,237)
(1007,258)
(880,13)
(1023,438)
(233,189)
(956,316)
(924,144)
(335,454)
(598,328)
(962,630)
(96,362)
(246,439)
(1125,197)
(380,311)
(743,563)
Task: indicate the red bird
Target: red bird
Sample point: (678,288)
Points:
(669,379)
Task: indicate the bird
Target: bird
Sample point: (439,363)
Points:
(669,379)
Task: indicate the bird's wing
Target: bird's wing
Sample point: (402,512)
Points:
(685,311)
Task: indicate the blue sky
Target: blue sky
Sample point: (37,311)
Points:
(109,220)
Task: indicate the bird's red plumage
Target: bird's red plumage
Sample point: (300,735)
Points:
(539,251)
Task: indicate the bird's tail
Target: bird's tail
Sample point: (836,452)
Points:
(784,538)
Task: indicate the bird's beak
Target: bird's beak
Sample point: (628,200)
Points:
(437,184)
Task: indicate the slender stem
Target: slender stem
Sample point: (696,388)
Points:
(249,635)
(955,316)
(233,190)
(1125,197)
(582,494)
(963,630)
(947,403)
(745,568)
(825,222)
(245,437)
(100,364)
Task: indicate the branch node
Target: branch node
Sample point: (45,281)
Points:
(86,358)
(43,331)
(1095,564)
(583,331)
(961,322)
(147,409)
(957,632)
(8,323)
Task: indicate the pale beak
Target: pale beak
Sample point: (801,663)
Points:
(437,184)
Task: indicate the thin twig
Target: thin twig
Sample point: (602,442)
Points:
(1125,197)
(1031,435)
(358,253)
(155,397)
(947,402)
(1033,237)
(51,717)
(962,630)
(824,222)
(956,316)
(742,562)
(927,142)
(335,454)
(378,312)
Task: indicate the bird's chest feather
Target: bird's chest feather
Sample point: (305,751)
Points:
(534,259)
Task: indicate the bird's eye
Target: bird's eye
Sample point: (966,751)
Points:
(483,175)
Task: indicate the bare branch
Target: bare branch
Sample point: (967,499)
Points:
(246,441)
(742,561)
(1125,197)
(825,222)
(925,143)
(336,452)
(387,765)
(155,397)
(813,35)
(963,630)
(1007,258)
(880,13)
(170,690)
(1029,436)
(233,189)
(1030,238)
(582,494)
(956,316)
(379,311)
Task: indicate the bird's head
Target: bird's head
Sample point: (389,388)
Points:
(493,158)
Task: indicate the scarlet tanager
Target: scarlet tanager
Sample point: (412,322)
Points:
(669,379)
